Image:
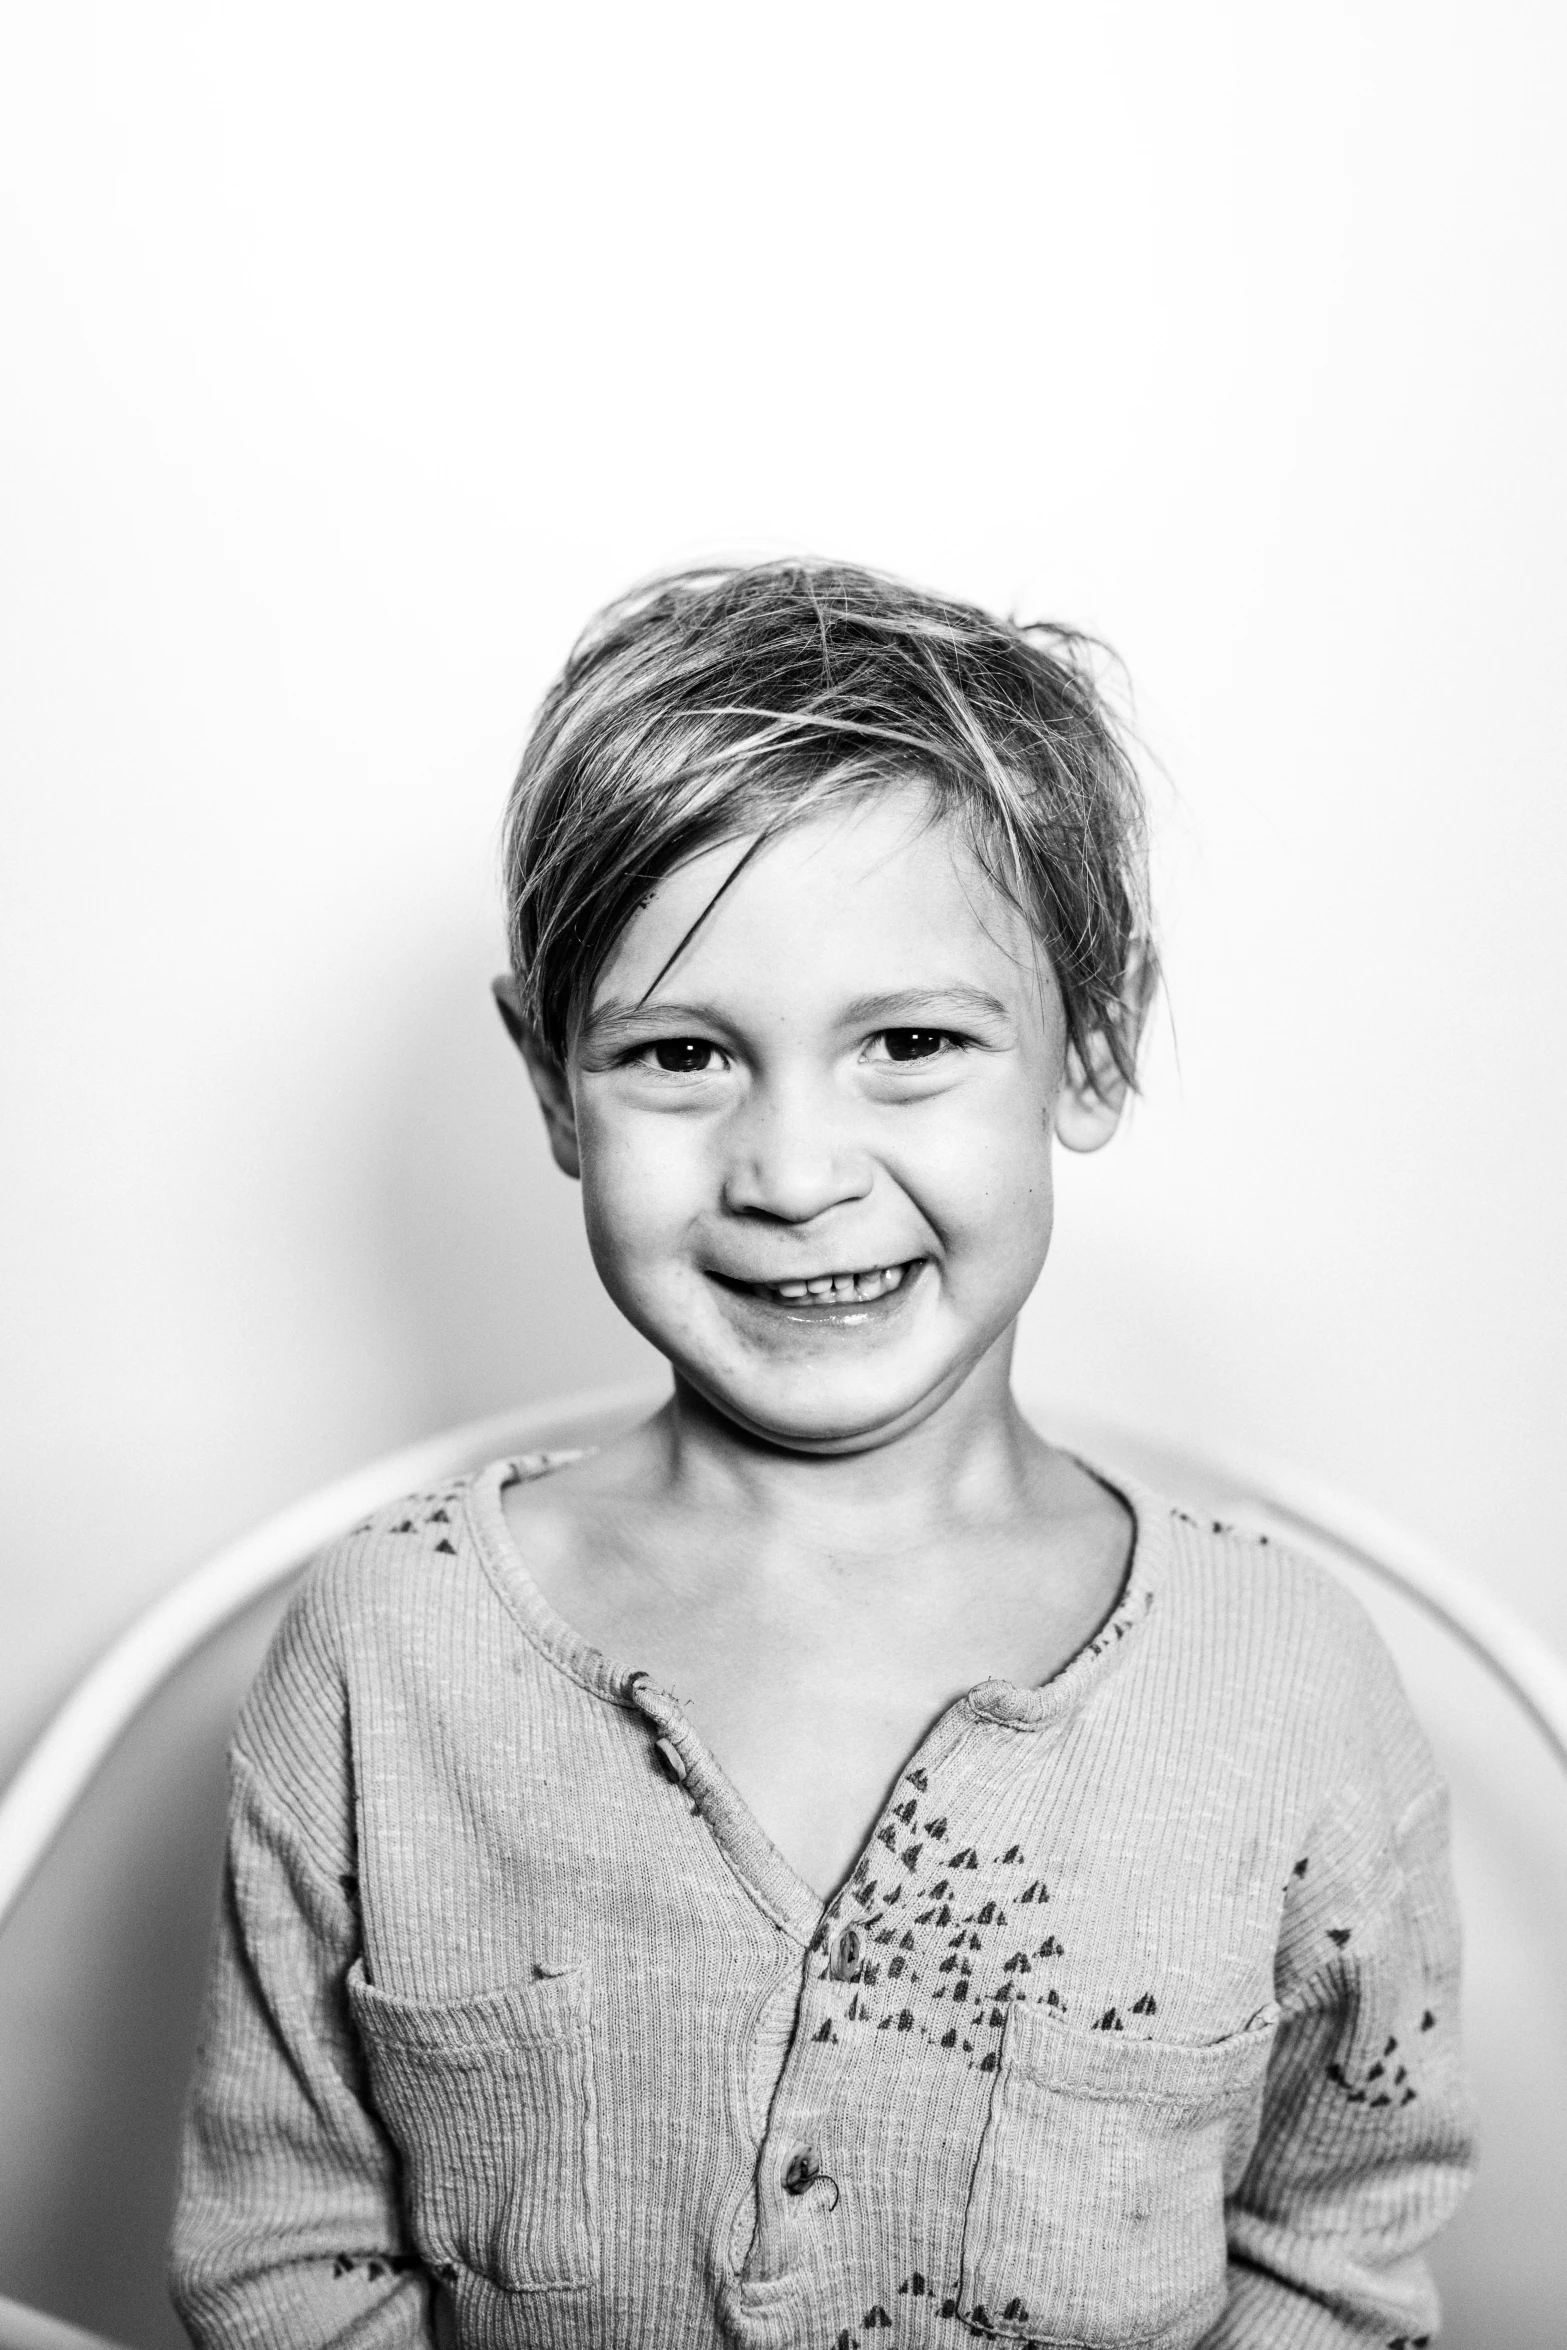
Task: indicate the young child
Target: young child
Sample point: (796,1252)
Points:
(829,1868)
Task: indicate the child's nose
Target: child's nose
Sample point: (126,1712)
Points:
(792,1159)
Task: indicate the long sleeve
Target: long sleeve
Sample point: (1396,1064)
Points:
(287,2229)
(1366,2145)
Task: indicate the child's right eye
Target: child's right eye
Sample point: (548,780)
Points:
(684,1056)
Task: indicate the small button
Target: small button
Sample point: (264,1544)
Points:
(671,1761)
(847,1952)
(802,2171)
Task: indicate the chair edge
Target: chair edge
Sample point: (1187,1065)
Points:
(23,2328)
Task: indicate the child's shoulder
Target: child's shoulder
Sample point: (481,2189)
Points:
(1247,1610)
(409,1573)
(408,1598)
(1248,1581)
(393,1550)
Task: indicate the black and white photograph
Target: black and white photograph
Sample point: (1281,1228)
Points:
(784,1307)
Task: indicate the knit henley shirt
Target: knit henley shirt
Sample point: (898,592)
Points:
(1134,2024)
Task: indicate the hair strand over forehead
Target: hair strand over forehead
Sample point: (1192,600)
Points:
(720,703)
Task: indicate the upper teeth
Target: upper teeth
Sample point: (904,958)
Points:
(874,1283)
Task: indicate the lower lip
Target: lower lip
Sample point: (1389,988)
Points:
(848,1313)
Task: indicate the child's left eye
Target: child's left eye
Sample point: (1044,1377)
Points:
(917,1044)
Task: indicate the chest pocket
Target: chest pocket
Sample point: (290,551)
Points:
(1096,2215)
(490,2102)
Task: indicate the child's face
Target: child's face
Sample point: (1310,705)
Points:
(854,1069)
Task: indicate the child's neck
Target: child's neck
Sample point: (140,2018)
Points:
(971,1466)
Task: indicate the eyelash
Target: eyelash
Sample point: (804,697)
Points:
(644,1055)
(943,1036)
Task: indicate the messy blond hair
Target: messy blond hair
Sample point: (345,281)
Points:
(724,703)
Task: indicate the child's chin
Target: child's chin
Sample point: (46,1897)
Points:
(822,1422)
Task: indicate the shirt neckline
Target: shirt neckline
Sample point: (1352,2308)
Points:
(1018,1704)
(782,1894)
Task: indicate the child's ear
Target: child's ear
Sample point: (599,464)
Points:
(549,1079)
(1092,1097)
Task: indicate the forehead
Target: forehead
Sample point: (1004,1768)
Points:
(874,895)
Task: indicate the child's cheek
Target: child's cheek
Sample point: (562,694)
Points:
(986,1172)
(642,1189)
(1014,1204)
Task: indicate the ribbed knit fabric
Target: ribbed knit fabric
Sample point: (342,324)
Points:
(1134,2024)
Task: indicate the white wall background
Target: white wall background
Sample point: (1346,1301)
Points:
(355,354)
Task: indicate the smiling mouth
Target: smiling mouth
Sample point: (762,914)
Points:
(831,1289)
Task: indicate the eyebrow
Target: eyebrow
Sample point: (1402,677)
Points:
(617,1017)
(908,1007)
(959,996)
